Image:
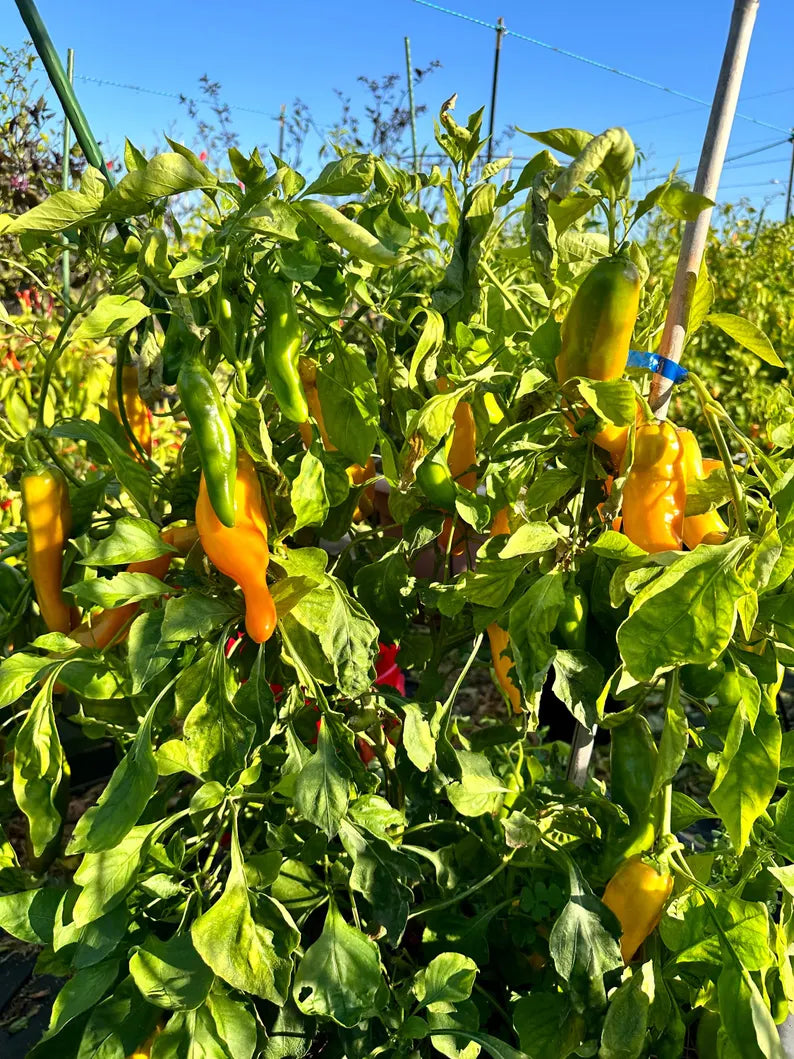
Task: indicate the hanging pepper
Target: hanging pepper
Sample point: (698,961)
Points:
(112,625)
(461,453)
(498,637)
(179,343)
(596,333)
(654,496)
(597,328)
(283,336)
(242,552)
(572,619)
(225,332)
(137,412)
(46,511)
(633,757)
(214,434)
(637,894)
(356,473)
(708,528)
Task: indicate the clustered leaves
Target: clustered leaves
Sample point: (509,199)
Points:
(295,855)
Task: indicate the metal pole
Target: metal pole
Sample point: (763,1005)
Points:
(790,181)
(67,146)
(500,30)
(693,244)
(409,73)
(707,183)
(63,89)
(281,123)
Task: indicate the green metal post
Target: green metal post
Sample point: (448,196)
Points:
(63,88)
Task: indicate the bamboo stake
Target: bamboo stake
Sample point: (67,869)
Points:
(707,182)
(66,277)
(409,73)
(693,244)
(500,32)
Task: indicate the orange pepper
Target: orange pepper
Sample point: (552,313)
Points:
(708,528)
(48,516)
(137,412)
(242,552)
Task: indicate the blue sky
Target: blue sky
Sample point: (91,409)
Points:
(268,54)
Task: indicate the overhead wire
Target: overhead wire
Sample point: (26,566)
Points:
(506,31)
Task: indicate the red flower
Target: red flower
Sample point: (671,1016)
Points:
(12,362)
(203,156)
(6,504)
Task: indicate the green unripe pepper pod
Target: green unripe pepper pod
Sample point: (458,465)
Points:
(633,757)
(282,345)
(179,343)
(434,478)
(212,428)
(572,619)
(350,236)
(597,328)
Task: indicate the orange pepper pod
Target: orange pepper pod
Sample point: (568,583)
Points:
(498,637)
(242,552)
(47,514)
(134,406)
(654,496)
(461,458)
(708,528)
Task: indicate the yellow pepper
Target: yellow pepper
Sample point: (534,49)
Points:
(654,496)
(708,528)
(461,453)
(46,511)
(137,412)
(637,894)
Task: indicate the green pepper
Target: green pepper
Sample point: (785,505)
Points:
(214,434)
(572,619)
(434,478)
(282,344)
(179,343)
(597,328)
(226,329)
(633,757)
(350,236)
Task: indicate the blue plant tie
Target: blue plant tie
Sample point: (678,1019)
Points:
(658,364)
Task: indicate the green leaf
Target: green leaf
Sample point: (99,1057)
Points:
(148,654)
(350,175)
(626,1023)
(418,741)
(110,592)
(82,993)
(612,151)
(349,401)
(135,478)
(118,1025)
(30,914)
(220,1028)
(308,495)
(166,174)
(745,1015)
(18,673)
(387,591)
(673,744)
(121,803)
(478,789)
(193,616)
(133,540)
(579,682)
(171,974)
(532,620)
(581,946)
(112,315)
(339,977)
(546,1027)
(748,335)
(747,772)
(380,873)
(680,203)
(106,877)
(531,538)
(322,791)
(216,734)
(62,210)
(40,769)
(447,979)
(243,947)
(687,614)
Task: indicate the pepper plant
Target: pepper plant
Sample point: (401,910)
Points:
(394,450)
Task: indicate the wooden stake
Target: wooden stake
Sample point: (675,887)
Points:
(693,244)
(500,32)
(707,183)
